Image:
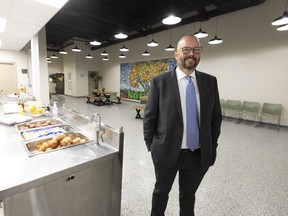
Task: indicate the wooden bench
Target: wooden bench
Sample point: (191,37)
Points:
(138,109)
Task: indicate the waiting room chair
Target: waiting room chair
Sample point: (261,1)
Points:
(222,103)
(271,113)
(250,111)
(233,109)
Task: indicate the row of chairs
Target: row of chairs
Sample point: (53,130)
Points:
(269,113)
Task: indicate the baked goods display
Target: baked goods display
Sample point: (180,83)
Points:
(59,141)
(38,124)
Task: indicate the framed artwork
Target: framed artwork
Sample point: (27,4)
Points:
(135,78)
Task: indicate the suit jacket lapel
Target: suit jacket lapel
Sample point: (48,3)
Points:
(202,92)
(175,91)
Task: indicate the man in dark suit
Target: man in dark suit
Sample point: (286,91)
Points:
(165,128)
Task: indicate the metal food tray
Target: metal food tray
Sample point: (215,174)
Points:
(44,132)
(31,147)
(40,123)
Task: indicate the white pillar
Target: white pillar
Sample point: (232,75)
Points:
(40,77)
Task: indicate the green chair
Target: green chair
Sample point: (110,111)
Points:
(222,103)
(271,113)
(250,111)
(233,109)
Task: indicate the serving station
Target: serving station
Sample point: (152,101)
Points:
(81,177)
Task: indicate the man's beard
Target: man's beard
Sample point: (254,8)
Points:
(189,65)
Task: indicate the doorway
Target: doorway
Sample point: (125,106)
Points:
(8,81)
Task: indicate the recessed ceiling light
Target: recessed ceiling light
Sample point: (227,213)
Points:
(105,58)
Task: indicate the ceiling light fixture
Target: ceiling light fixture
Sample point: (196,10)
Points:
(49,61)
(171,20)
(282,20)
(170,48)
(105,58)
(282,28)
(152,43)
(124,49)
(216,40)
(120,35)
(104,53)
(200,33)
(89,56)
(2,24)
(122,55)
(76,49)
(54,56)
(95,43)
(146,53)
(63,52)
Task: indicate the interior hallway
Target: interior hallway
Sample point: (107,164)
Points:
(249,178)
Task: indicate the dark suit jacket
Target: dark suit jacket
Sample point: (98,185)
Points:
(163,120)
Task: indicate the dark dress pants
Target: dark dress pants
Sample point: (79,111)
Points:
(190,177)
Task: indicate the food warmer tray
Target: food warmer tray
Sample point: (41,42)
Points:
(43,146)
(44,122)
(44,132)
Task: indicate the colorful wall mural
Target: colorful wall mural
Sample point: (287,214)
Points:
(135,77)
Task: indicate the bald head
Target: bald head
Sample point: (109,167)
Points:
(188,53)
(186,38)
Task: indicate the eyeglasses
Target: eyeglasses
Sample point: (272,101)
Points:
(187,50)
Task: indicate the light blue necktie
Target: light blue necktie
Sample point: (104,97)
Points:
(192,116)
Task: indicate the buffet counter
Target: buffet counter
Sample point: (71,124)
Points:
(82,180)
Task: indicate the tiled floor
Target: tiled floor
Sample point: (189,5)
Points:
(250,177)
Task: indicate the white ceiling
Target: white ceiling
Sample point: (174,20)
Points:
(25,18)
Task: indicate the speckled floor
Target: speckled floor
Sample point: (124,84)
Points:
(250,177)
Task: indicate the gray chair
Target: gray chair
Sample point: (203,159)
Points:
(271,113)
(233,109)
(250,111)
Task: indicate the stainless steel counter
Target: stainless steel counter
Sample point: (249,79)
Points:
(21,173)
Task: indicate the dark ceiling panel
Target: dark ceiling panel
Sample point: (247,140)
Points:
(88,20)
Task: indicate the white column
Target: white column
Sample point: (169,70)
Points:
(40,77)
